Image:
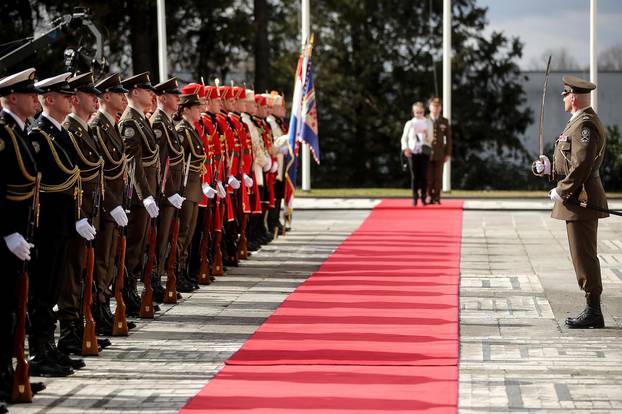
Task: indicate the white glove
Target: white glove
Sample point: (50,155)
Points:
(233,182)
(18,245)
(151,206)
(284,149)
(555,196)
(220,189)
(248,181)
(274,167)
(84,229)
(268,164)
(208,191)
(176,200)
(118,214)
(543,165)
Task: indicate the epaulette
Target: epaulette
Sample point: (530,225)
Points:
(586,118)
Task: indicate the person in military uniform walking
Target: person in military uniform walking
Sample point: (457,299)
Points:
(141,148)
(171,154)
(113,218)
(441,150)
(577,159)
(84,104)
(58,222)
(18,172)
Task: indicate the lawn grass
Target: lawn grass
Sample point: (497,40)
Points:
(405,193)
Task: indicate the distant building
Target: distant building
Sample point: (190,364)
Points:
(609,92)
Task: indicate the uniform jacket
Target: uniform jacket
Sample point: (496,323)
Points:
(56,159)
(141,148)
(18,171)
(170,149)
(115,168)
(192,145)
(578,156)
(441,138)
(89,162)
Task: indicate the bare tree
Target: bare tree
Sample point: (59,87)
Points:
(611,58)
(561,59)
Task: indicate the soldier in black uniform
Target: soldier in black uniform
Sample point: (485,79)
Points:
(113,218)
(59,220)
(141,148)
(84,104)
(17,178)
(172,162)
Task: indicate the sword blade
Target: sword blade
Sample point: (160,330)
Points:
(546,83)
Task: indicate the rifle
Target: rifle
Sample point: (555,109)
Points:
(89,338)
(170,293)
(146,300)
(217,269)
(21,391)
(119,327)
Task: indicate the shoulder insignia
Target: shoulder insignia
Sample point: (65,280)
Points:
(2,144)
(129,132)
(585,135)
(586,118)
(36,146)
(157,132)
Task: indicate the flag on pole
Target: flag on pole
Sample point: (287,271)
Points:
(309,126)
(291,159)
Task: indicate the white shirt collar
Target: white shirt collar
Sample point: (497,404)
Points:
(79,120)
(52,120)
(17,119)
(111,118)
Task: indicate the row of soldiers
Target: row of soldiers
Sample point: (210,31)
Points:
(120,181)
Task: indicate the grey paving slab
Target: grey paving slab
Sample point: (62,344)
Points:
(166,361)
(517,288)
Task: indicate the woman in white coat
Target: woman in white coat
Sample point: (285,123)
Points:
(416,146)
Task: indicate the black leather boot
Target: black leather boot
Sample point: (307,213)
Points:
(41,364)
(69,342)
(591,317)
(61,358)
(182,283)
(103,325)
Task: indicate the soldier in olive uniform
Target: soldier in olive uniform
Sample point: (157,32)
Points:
(172,161)
(84,104)
(59,220)
(577,158)
(18,172)
(141,148)
(190,112)
(441,150)
(113,217)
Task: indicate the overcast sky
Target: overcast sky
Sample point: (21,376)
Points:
(554,24)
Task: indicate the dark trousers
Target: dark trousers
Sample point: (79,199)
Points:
(418,164)
(582,241)
(435,179)
(11,267)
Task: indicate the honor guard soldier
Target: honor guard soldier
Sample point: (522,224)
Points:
(142,151)
(189,113)
(113,217)
(441,150)
(172,160)
(18,172)
(59,220)
(577,159)
(277,110)
(84,104)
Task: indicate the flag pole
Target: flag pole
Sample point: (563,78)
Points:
(593,52)
(162,61)
(447,82)
(306,153)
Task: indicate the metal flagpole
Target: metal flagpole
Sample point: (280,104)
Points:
(162,61)
(447,82)
(593,52)
(306,153)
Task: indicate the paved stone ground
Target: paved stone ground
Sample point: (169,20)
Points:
(166,361)
(517,287)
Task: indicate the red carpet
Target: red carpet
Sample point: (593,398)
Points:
(375,329)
